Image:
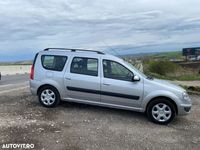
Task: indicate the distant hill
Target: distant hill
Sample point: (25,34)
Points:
(139,54)
(169,54)
(28,62)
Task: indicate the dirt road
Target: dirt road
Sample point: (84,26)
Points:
(188,83)
(73,126)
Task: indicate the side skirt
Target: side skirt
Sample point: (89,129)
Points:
(104,104)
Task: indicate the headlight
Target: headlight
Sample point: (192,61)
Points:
(185,96)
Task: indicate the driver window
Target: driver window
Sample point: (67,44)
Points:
(117,71)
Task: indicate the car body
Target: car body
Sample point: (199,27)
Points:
(92,77)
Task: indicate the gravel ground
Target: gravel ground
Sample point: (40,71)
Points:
(73,126)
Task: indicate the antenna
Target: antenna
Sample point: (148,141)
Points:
(110,48)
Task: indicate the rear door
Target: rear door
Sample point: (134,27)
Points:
(83,79)
(117,87)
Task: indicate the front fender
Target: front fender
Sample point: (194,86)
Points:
(159,93)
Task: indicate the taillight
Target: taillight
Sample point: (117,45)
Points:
(32,73)
(32,68)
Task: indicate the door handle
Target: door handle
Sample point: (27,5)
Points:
(106,84)
(68,78)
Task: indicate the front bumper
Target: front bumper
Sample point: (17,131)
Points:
(184,109)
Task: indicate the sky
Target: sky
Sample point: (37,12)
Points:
(114,26)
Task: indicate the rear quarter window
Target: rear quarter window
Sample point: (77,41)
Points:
(53,62)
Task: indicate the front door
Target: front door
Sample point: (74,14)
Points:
(117,86)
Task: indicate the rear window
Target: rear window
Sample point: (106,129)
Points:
(52,62)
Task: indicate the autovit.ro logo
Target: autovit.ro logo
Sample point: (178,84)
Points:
(18,146)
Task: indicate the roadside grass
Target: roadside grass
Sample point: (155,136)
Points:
(188,77)
(193,77)
(169,71)
(163,69)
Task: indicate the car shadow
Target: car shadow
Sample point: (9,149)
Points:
(106,111)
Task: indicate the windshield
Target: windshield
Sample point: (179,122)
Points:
(136,70)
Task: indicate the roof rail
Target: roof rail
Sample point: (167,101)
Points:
(74,50)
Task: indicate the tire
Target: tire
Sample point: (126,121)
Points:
(161,111)
(49,97)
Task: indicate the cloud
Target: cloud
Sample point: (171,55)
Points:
(28,26)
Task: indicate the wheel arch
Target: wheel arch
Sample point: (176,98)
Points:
(47,85)
(163,97)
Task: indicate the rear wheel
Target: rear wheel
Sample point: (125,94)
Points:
(161,111)
(49,97)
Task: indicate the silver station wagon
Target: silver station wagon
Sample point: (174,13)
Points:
(93,77)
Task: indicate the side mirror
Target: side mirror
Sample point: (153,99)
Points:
(136,78)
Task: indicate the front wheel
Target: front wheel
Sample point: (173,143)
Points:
(49,97)
(161,111)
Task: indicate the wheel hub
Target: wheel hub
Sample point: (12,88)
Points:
(48,97)
(161,112)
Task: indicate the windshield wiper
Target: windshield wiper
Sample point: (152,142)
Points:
(150,77)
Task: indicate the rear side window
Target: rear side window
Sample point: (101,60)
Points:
(55,63)
(85,66)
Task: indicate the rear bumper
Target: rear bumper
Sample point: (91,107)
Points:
(33,86)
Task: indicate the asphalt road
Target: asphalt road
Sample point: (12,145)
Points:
(13,83)
(72,126)
(14,79)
